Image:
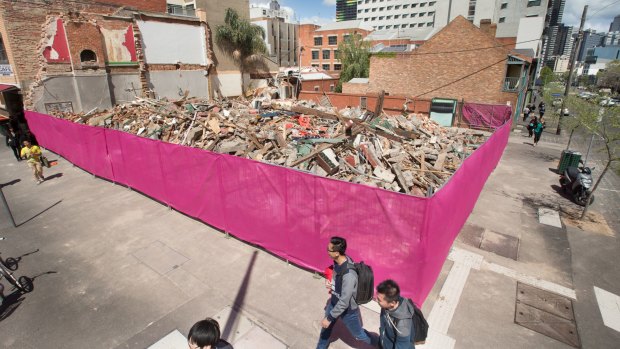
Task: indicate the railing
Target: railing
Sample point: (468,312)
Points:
(511,84)
(179,11)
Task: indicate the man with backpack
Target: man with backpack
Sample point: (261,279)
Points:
(342,304)
(397,329)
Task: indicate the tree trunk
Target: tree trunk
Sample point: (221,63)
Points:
(585,209)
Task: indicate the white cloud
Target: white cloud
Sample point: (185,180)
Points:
(329,2)
(265,4)
(595,19)
(317,20)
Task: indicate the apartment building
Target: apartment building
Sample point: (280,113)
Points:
(320,43)
(281,34)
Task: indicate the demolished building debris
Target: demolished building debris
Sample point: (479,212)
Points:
(406,153)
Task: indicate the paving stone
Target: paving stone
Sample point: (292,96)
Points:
(500,244)
(159,257)
(549,217)
(609,304)
(173,340)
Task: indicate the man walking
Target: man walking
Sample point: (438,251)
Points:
(397,330)
(342,303)
(33,154)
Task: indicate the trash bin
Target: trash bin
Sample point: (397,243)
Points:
(569,158)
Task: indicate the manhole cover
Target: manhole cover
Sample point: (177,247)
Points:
(500,244)
(546,313)
(547,301)
(471,235)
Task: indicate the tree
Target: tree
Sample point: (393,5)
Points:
(603,123)
(241,40)
(546,75)
(355,57)
(610,77)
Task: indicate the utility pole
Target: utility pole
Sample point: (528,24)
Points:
(573,58)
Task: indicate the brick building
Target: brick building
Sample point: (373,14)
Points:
(319,45)
(81,55)
(461,62)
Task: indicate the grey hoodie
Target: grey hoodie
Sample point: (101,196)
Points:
(344,290)
(396,326)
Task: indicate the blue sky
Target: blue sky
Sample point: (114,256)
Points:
(600,12)
(307,11)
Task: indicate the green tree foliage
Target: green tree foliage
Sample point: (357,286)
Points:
(610,77)
(240,39)
(602,122)
(355,58)
(546,75)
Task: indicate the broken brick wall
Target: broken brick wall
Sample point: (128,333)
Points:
(391,104)
(327,85)
(143,5)
(459,62)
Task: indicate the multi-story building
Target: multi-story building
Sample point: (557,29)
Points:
(590,40)
(615,25)
(401,14)
(281,36)
(611,39)
(319,44)
(555,11)
(346,10)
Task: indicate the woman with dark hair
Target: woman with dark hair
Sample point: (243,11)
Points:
(205,334)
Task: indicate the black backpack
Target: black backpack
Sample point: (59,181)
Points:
(365,281)
(419,324)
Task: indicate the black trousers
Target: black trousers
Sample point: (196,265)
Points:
(16,152)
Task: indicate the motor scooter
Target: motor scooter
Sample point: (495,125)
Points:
(577,181)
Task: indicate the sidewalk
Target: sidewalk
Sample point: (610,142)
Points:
(116,269)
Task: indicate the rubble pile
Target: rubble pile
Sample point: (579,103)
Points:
(404,153)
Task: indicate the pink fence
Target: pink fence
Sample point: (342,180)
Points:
(289,213)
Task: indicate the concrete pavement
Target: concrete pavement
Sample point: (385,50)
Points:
(115,269)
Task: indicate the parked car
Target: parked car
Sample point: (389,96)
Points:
(586,95)
(557,102)
(609,102)
(566,112)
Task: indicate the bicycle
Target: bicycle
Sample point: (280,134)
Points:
(22,283)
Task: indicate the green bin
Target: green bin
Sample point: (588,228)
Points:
(569,158)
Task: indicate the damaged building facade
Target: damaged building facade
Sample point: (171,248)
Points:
(460,62)
(79,56)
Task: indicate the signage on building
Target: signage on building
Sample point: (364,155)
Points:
(5,69)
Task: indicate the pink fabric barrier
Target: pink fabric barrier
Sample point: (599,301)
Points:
(486,115)
(289,213)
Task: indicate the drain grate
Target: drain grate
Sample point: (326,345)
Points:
(546,313)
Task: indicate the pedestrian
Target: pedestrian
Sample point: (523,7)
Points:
(531,126)
(32,153)
(342,303)
(526,112)
(396,323)
(541,108)
(538,129)
(13,142)
(205,334)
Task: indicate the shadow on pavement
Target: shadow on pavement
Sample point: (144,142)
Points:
(231,323)
(341,332)
(55,175)
(38,214)
(10,304)
(10,183)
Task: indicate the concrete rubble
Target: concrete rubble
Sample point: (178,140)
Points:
(406,153)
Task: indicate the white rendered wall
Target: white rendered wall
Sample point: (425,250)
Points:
(530,32)
(170,43)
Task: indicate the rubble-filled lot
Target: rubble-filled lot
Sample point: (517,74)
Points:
(405,153)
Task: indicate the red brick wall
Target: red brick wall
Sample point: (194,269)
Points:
(391,104)
(144,5)
(435,70)
(307,32)
(85,36)
(323,85)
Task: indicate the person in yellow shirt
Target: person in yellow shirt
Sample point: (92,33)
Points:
(32,153)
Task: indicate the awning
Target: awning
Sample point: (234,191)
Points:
(4,87)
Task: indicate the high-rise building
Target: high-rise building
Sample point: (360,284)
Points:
(615,25)
(590,40)
(401,14)
(564,41)
(346,10)
(555,11)
(281,35)
(611,39)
